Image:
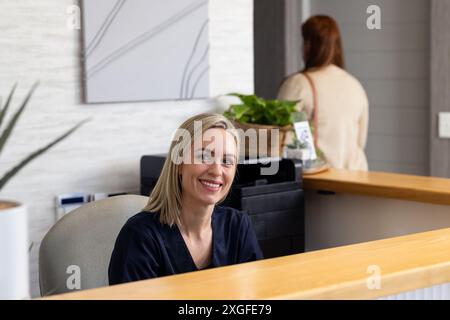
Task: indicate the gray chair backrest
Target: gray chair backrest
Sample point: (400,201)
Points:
(81,243)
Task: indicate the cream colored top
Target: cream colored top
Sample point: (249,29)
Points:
(343,114)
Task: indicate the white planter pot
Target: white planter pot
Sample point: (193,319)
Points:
(14,270)
(300,154)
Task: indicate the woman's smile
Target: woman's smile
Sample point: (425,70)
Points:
(211,185)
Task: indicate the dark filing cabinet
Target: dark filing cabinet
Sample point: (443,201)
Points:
(275,202)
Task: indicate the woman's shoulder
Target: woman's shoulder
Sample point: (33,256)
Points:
(295,79)
(293,87)
(228,211)
(143,222)
(343,78)
(231,216)
(346,74)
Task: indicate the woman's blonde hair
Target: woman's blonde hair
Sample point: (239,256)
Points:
(166,196)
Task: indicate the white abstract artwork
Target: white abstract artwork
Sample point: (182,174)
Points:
(138,50)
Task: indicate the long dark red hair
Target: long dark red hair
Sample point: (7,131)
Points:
(322,43)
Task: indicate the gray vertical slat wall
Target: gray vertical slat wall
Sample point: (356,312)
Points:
(269,46)
(393,66)
(293,46)
(277,45)
(440,84)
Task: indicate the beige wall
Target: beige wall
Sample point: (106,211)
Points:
(344,219)
(103,156)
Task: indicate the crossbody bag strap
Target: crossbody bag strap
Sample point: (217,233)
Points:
(315,106)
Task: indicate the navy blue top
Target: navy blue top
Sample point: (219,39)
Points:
(145,248)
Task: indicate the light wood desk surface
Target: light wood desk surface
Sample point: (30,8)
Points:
(381,184)
(406,263)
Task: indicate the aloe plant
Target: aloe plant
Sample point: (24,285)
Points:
(9,127)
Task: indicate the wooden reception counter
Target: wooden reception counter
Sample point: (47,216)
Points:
(365,223)
(361,271)
(381,184)
(366,206)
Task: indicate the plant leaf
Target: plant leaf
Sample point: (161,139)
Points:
(257,110)
(229,115)
(37,153)
(9,128)
(4,110)
(240,110)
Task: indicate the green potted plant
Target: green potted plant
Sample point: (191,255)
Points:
(260,114)
(14,245)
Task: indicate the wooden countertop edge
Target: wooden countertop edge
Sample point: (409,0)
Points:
(394,186)
(407,263)
(357,290)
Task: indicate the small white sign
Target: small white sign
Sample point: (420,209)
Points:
(305,137)
(444,125)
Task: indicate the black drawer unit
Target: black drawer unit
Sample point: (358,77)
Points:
(275,203)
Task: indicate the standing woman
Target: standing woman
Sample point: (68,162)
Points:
(330,96)
(182,228)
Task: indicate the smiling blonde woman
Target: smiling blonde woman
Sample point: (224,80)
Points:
(182,228)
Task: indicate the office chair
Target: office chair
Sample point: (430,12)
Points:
(75,252)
